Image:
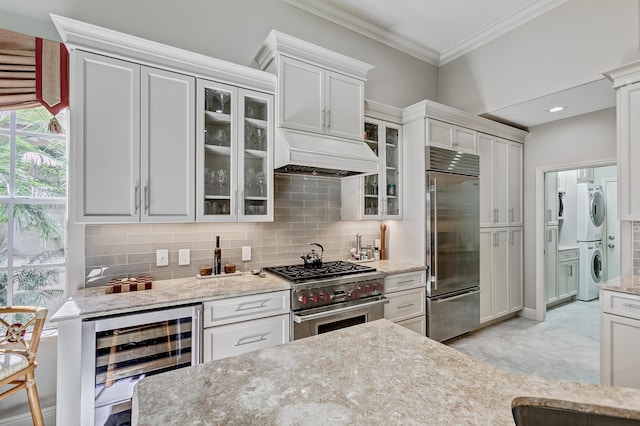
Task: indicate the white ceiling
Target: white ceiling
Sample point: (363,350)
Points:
(439,31)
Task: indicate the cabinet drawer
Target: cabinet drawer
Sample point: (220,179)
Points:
(405,281)
(405,304)
(567,254)
(235,339)
(218,312)
(417,324)
(623,304)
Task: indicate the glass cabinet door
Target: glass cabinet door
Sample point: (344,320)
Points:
(391,167)
(371,192)
(256,167)
(216,179)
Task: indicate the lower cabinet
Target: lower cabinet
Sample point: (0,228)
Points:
(406,293)
(551,264)
(501,283)
(620,339)
(243,324)
(567,273)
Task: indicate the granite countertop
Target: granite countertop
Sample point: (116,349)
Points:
(393,266)
(373,373)
(627,284)
(93,302)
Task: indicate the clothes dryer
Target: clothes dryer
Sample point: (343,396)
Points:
(591,269)
(590,212)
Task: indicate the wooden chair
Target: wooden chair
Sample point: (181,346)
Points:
(18,356)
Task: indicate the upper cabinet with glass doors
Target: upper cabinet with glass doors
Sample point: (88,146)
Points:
(376,196)
(234,154)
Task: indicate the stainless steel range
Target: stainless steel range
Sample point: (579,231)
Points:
(332,296)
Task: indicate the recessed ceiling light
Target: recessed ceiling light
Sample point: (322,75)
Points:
(557,108)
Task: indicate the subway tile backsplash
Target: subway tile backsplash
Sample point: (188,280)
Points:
(306,210)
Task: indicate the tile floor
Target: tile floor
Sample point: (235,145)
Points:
(564,347)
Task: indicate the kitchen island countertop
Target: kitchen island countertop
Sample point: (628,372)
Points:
(373,373)
(626,284)
(93,302)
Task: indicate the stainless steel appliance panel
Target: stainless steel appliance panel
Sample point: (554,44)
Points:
(324,319)
(453,232)
(451,316)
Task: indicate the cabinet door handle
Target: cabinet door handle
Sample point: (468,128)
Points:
(146,198)
(495,215)
(405,305)
(405,282)
(570,270)
(550,236)
(329,119)
(496,239)
(324,119)
(511,215)
(256,305)
(631,305)
(511,239)
(136,199)
(252,339)
(235,195)
(242,202)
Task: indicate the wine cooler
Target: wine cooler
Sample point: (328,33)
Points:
(121,350)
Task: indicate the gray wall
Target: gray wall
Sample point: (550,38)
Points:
(566,47)
(582,140)
(233,30)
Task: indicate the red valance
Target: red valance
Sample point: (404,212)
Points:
(33,72)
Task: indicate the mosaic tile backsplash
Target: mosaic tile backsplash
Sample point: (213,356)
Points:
(306,210)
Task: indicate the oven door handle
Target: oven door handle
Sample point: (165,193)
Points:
(303,318)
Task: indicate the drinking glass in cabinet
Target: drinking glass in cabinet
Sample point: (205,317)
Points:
(371,208)
(217,101)
(260,136)
(392,136)
(392,157)
(371,132)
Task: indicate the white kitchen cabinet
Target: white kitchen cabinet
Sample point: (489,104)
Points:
(501,282)
(500,181)
(567,273)
(242,324)
(450,136)
(315,99)
(377,196)
(620,339)
(234,160)
(551,199)
(406,293)
(133,142)
(551,263)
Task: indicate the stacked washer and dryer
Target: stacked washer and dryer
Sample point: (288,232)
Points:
(590,223)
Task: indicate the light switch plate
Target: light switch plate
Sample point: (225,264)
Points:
(246,253)
(184,257)
(162,257)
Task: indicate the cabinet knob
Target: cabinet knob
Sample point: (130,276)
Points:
(611,245)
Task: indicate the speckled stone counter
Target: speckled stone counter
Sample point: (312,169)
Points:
(627,284)
(376,373)
(393,266)
(93,302)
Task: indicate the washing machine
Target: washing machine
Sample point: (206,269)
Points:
(590,212)
(591,269)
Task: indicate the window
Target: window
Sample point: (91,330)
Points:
(33,173)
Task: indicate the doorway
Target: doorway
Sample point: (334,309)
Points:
(581,234)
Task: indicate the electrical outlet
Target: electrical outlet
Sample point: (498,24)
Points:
(246,253)
(162,257)
(184,257)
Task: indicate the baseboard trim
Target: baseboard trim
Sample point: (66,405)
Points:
(25,419)
(528,313)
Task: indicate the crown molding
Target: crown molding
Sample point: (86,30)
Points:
(624,74)
(500,28)
(92,38)
(367,28)
(357,23)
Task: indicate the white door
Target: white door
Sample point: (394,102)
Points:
(612,229)
(515,184)
(168,146)
(106,139)
(515,269)
(302,97)
(344,106)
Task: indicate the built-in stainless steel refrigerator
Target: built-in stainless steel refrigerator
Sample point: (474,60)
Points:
(453,243)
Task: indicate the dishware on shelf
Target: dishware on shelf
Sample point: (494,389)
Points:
(222,99)
(260,135)
(249,134)
(220,137)
(260,181)
(222,178)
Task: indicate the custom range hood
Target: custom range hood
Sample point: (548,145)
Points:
(320,108)
(308,153)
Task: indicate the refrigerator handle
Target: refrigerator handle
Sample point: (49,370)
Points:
(434,267)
